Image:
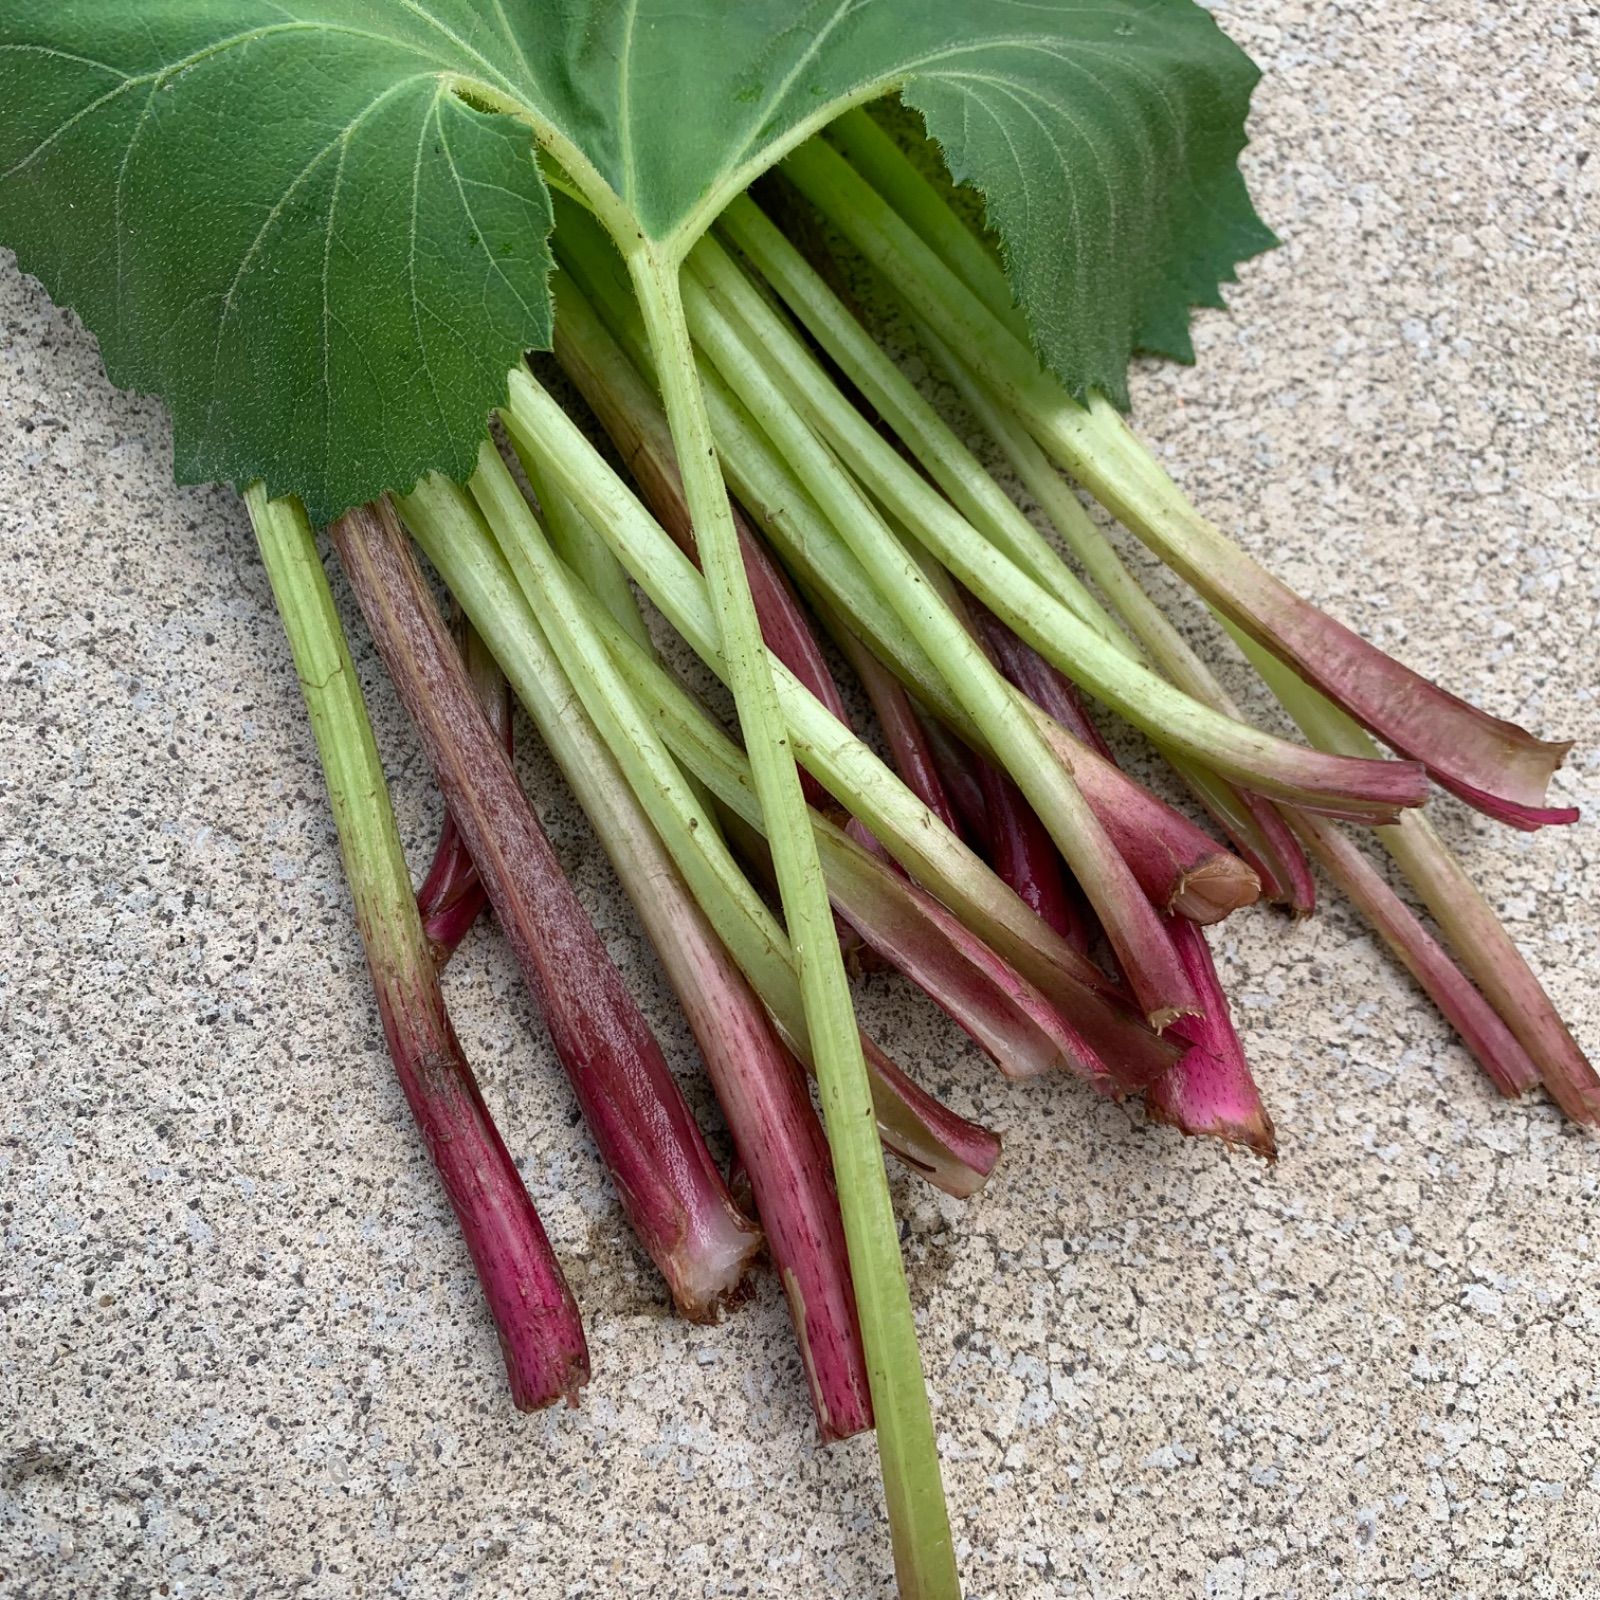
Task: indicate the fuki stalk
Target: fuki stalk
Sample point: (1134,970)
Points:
(534,1313)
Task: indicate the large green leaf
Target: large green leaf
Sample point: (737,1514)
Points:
(315,228)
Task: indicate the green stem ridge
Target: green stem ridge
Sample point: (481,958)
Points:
(918,1519)
(535,1315)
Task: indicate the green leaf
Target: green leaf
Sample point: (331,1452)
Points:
(313,228)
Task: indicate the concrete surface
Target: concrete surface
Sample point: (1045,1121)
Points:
(242,1351)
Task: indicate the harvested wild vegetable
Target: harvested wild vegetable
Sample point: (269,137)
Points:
(324,235)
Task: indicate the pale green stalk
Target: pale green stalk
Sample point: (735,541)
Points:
(722,306)
(845,766)
(1059,634)
(448,526)
(918,1519)
(1494,764)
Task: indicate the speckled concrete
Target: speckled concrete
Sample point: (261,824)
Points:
(242,1351)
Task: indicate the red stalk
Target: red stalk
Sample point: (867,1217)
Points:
(781,1147)
(1178,865)
(1210,1091)
(1022,852)
(1255,825)
(950,1152)
(535,1316)
(1020,1031)
(673,1194)
(958,771)
(925,1133)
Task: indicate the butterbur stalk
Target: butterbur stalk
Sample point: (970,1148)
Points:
(1211,1090)
(782,1153)
(1495,765)
(1254,824)
(1481,944)
(632,417)
(919,1521)
(452,897)
(1371,790)
(866,787)
(534,1313)
(951,1152)
(903,732)
(739,333)
(1186,870)
(940,953)
(669,1186)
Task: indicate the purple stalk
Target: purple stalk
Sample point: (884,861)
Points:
(1023,854)
(673,1194)
(1509,1067)
(1255,825)
(1020,1031)
(781,1147)
(1210,1091)
(451,898)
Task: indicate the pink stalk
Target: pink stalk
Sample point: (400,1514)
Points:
(782,1149)
(1023,854)
(535,1316)
(1178,865)
(782,1158)
(1490,954)
(451,898)
(1508,1065)
(673,1194)
(1000,1010)
(1210,1091)
(952,1152)
(1494,765)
